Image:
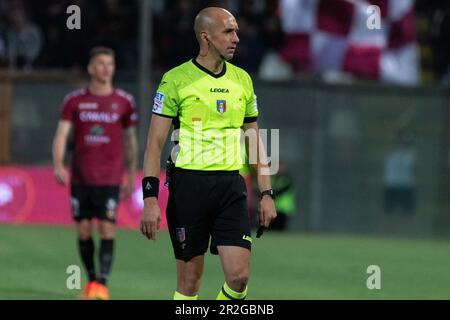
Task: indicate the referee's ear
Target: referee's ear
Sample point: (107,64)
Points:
(204,37)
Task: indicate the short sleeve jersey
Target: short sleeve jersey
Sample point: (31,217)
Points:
(211,109)
(99,123)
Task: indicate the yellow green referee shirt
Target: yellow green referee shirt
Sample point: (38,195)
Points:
(211,109)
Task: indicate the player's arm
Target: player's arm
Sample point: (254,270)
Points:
(157,136)
(267,206)
(59,151)
(131,151)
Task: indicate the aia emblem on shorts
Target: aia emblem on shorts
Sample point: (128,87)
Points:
(181,234)
(221,106)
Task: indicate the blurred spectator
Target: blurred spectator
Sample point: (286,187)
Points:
(270,26)
(283,186)
(328,38)
(3,50)
(76,43)
(116,27)
(65,48)
(399,175)
(24,39)
(272,67)
(52,18)
(250,50)
(176,39)
(440,41)
(230,5)
(284,189)
(3,56)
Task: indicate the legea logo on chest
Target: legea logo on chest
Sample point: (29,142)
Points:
(220,90)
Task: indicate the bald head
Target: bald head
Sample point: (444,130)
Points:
(216,31)
(209,18)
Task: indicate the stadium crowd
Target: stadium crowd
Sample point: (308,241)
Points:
(33,34)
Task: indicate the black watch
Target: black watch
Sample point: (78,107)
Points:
(268,192)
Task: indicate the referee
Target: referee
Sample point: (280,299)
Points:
(209,100)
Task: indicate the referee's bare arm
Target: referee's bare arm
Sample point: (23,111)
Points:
(157,136)
(267,211)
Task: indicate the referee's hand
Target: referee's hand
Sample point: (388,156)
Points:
(267,212)
(151,218)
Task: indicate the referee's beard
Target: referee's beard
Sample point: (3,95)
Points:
(222,57)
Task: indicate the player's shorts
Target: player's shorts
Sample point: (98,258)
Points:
(204,206)
(99,202)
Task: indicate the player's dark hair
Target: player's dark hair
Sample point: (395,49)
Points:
(100,50)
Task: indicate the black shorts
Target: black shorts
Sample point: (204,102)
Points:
(207,205)
(99,202)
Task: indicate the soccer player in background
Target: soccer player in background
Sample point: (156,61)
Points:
(207,197)
(103,119)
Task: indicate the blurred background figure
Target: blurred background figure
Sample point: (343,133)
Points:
(175,35)
(280,39)
(285,196)
(116,27)
(63,48)
(283,186)
(3,52)
(400,175)
(433,28)
(3,55)
(250,53)
(24,38)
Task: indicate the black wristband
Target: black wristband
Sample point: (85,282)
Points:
(150,187)
(268,192)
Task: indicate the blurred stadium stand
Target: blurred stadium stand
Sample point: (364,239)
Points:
(33,34)
(333,136)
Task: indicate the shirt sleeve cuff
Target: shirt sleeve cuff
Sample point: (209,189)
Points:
(250,119)
(164,115)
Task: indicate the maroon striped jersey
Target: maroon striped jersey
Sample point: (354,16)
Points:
(99,123)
